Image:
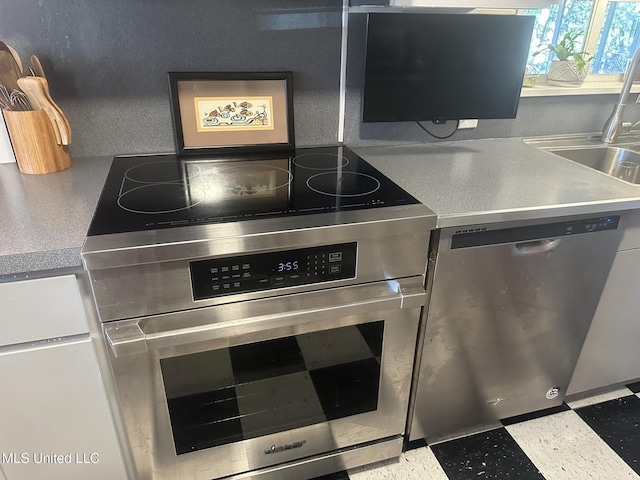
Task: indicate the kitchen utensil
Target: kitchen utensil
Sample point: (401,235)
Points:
(20,101)
(16,58)
(38,92)
(36,67)
(5,98)
(61,119)
(34,142)
(9,72)
(67,125)
(16,100)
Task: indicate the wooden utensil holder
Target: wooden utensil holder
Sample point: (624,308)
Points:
(34,142)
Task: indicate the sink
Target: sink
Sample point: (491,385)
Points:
(591,152)
(602,158)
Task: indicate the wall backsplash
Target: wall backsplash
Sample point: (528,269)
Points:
(107,62)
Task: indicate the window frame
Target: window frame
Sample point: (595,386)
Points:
(598,19)
(592,34)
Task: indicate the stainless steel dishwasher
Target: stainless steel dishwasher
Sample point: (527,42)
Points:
(511,305)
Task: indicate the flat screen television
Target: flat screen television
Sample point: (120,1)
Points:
(439,67)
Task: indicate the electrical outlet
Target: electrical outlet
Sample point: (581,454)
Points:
(468,123)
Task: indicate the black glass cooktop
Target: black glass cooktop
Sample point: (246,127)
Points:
(163,191)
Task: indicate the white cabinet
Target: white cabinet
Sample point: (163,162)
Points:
(610,354)
(55,421)
(40,309)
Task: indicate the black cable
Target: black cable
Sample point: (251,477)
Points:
(436,136)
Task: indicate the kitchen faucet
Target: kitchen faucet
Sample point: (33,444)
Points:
(614,125)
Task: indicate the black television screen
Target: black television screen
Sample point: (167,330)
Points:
(429,66)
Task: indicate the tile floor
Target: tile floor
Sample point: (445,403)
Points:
(595,438)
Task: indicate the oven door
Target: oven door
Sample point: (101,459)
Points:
(222,390)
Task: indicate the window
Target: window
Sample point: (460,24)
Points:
(611,32)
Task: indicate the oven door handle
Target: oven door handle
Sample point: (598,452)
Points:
(139,336)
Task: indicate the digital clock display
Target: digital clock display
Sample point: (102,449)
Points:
(262,271)
(288,266)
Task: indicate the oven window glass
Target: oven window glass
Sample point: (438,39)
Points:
(224,396)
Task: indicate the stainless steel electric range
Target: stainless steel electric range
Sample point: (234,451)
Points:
(260,311)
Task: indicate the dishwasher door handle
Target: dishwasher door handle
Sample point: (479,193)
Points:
(536,246)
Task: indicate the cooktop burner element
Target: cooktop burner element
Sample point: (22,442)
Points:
(162,191)
(159,198)
(343,184)
(320,161)
(157,172)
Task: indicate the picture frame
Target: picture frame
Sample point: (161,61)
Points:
(216,112)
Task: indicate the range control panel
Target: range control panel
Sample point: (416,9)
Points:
(264,271)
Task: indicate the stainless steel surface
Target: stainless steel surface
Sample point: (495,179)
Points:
(135,248)
(614,124)
(329,463)
(505,327)
(142,286)
(602,158)
(579,140)
(145,273)
(590,151)
(140,385)
(280,316)
(106,373)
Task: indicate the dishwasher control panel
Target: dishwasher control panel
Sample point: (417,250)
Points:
(262,271)
(475,238)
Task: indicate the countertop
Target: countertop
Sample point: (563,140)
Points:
(44,218)
(481,181)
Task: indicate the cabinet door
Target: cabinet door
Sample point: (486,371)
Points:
(54,420)
(41,308)
(610,354)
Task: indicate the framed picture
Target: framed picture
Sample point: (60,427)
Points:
(240,112)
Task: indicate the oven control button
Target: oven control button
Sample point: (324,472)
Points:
(335,269)
(236,284)
(226,285)
(214,270)
(246,266)
(235,267)
(246,275)
(216,288)
(335,257)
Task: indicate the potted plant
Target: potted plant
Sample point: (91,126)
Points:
(571,65)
